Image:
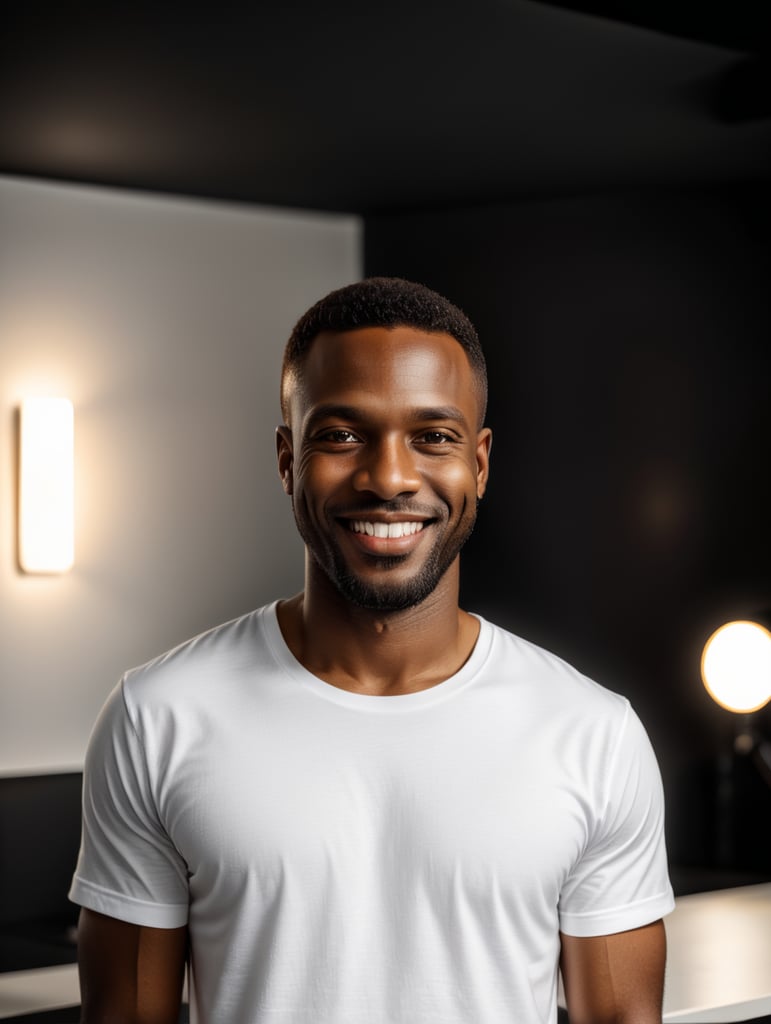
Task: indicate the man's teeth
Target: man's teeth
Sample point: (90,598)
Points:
(385,529)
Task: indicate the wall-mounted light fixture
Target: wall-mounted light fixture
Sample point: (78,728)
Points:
(46,490)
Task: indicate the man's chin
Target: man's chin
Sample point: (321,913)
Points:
(390,597)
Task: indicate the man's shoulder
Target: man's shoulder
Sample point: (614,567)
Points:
(214,653)
(550,677)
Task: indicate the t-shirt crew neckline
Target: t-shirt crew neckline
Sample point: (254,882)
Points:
(368,702)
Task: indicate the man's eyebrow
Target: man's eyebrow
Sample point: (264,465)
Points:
(440,412)
(354,414)
(332,411)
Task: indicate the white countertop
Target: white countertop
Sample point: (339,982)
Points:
(719,956)
(46,988)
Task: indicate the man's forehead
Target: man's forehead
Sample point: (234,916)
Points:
(374,348)
(395,334)
(422,367)
(402,359)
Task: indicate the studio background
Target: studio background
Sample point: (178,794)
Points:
(591,185)
(627,339)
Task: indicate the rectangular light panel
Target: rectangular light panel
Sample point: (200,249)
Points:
(46,488)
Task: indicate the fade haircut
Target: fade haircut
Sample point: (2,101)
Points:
(382,302)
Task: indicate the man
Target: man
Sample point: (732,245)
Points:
(364,805)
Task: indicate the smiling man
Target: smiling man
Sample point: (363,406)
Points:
(364,805)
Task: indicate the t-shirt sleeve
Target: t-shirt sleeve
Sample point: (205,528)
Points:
(621,881)
(128,867)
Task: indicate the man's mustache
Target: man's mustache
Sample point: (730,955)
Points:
(393,507)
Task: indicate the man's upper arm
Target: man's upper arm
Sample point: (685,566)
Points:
(615,978)
(129,974)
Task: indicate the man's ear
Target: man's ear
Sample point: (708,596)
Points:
(285,453)
(484,444)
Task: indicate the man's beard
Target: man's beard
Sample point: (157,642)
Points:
(388,596)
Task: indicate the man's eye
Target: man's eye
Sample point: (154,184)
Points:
(434,437)
(339,436)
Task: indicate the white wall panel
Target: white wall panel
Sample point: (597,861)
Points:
(164,321)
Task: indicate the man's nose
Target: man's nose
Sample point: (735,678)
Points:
(388,469)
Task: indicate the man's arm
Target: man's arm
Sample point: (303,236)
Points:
(615,979)
(129,974)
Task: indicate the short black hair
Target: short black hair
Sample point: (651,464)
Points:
(382,302)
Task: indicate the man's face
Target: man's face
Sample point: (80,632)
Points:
(384,461)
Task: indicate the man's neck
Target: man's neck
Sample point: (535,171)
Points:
(374,652)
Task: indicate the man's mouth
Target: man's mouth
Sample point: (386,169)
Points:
(387,530)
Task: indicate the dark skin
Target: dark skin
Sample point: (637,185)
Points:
(129,974)
(383,435)
(384,417)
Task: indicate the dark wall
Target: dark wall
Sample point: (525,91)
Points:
(628,513)
(39,839)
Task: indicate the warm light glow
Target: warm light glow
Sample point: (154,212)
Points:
(736,666)
(46,520)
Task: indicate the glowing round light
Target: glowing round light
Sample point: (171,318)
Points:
(736,666)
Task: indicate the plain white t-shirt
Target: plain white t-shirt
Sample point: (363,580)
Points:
(350,859)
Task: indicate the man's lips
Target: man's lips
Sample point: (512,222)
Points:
(385,536)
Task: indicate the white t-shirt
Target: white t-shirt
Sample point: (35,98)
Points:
(350,859)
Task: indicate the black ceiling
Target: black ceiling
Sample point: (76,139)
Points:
(368,107)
